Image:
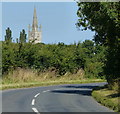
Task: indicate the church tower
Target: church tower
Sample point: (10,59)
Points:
(34,32)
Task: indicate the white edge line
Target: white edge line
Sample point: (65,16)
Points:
(33,101)
(35,110)
(37,95)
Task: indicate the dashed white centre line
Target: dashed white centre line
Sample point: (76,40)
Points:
(46,91)
(35,110)
(37,95)
(33,101)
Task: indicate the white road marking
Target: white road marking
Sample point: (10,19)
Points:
(37,95)
(33,101)
(46,91)
(35,110)
(58,89)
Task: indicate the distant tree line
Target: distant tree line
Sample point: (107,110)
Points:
(63,58)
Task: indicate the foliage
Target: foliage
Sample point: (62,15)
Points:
(103,18)
(106,97)
(59,57)
(22,36)
(8,36)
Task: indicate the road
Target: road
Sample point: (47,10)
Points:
(61,98)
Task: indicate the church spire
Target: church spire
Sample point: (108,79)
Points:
(34,35)
(35,22)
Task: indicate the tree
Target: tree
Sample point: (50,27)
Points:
(8,36)
(22,36)
(88,45)
(103,18)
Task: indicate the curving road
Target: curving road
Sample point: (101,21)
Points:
(61,98)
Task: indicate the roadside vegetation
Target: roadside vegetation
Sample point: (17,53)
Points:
(108,97)
(103,18)
(39,63)
(21,78)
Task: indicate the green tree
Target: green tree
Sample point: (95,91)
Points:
(8,56)
(103,18)
(88,45)
(94,65)
(8,36)
(23,36)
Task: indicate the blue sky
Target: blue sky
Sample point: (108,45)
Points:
(57,19)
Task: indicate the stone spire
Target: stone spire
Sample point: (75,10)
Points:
(34,35)
(35,22)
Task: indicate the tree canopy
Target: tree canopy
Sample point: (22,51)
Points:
(61,57)
(8,36)
(23,36)
(103,18)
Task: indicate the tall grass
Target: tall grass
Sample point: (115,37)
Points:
(27,75)
(21,78)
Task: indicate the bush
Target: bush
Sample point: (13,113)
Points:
(64,58)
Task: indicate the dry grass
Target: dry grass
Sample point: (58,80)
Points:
(28,78)
(19,75)
(26,75)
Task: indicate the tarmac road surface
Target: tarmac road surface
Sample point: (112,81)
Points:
(61,98)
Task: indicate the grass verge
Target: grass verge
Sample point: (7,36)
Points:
(24,78)
(107,97)
(46,83)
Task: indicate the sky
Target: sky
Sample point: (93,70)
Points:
(58,21)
